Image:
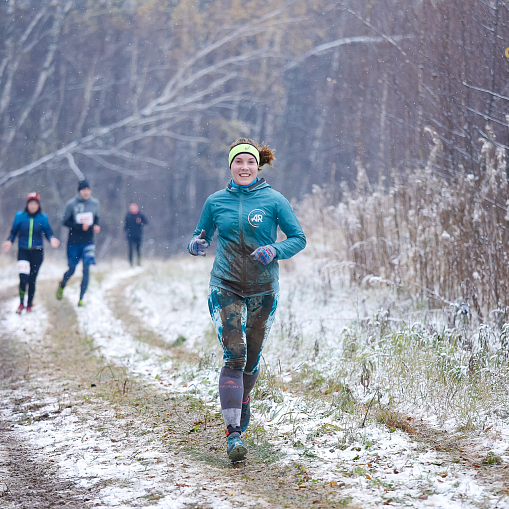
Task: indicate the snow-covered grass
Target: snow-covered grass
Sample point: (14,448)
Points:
(352,398)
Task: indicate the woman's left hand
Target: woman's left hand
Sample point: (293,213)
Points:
(54,242)
(264,254)
(6,246)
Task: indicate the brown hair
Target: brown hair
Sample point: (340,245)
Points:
(266,153)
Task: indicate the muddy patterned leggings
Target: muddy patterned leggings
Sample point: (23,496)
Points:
(242,326)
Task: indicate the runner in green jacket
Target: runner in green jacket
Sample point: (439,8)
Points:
(244,283)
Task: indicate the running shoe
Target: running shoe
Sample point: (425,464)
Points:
(20,309)
(29,309)
(245,415)
(235,449)
(81,304)
(60,291)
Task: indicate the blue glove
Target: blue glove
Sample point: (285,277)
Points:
(264,254)
(198,245)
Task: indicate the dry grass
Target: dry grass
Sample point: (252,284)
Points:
(445,240)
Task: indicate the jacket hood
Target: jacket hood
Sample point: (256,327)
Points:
(255,186)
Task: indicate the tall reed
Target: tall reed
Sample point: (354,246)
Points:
(444,239)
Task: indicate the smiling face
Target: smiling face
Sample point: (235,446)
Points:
(244,169)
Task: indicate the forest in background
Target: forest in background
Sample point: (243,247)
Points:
(144,97)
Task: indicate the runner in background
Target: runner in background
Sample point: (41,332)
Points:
(81,216)
(244,282)
(134,223)
(29,225)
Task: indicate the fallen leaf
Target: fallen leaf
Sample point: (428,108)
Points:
(333,483)
(444,475)
(423,497)
(368,477)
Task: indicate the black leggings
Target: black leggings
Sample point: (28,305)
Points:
(35,258)
(134,243)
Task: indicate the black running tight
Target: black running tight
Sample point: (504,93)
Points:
(34,257)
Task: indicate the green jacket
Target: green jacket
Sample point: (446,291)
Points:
(247,218)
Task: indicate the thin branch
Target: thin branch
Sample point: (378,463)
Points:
(364,39)
(74,166)
(122,155)
(485,91)
(111,166)
(388,38)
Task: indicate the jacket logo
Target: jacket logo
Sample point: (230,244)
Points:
(255,217)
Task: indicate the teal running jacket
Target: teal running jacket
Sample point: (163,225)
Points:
(247,218)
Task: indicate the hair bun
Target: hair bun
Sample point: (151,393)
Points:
(266,155)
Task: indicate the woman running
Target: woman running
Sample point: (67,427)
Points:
(244,283)
(29,225)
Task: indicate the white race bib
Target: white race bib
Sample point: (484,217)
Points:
(23,267)
(85,218)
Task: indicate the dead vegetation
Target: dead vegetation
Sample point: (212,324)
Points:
(426,234)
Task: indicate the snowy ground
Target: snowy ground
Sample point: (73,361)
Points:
(150,329)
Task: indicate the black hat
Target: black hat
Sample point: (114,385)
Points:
(83,185)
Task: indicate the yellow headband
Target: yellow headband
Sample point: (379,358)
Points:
(243,148)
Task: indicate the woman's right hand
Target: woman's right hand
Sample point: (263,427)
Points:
(198,245)
(6,246)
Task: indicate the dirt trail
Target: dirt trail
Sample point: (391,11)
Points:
(32,482)
(27,479)
(150,443)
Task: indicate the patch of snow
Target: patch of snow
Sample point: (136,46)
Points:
(25,327)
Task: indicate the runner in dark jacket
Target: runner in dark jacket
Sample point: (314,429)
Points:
(134,223)
(29,226)
(244,283)
(81,216)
